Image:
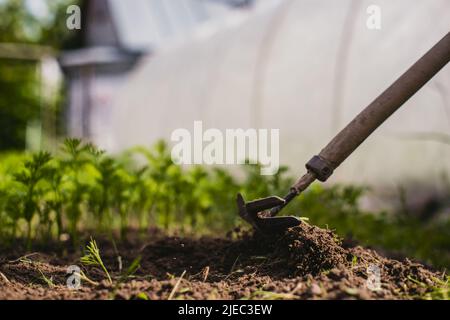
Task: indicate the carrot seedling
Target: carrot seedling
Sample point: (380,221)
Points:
(92,257)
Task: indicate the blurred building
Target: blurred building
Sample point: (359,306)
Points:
(115,35)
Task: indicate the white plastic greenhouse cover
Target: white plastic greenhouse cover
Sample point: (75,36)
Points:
(306,67)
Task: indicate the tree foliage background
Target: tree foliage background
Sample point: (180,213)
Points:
(24,36)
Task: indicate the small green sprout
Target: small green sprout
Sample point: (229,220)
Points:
(142,296)
(92,258)
(131,270)
(354,261)
(134,266)
(33,172)
(48,281)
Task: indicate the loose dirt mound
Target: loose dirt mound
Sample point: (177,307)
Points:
(305,262)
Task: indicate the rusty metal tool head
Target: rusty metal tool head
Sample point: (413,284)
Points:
(261,213)
(256,213)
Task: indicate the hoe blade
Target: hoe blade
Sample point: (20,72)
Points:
(255,213)
(277,224)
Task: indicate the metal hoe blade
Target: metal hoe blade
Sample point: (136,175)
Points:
(256,213)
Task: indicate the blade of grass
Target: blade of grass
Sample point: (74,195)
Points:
(48,281)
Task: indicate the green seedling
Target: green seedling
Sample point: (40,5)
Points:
(92,257)
(131,270)
(75,159)
(48,281)
(142,296)
(122,195)
(56,201)
(354,261)
(100,198)
(134,266)
(34,171)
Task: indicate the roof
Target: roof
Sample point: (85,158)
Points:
(94,56)
(147,23)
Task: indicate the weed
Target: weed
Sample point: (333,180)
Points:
(134,266)
(439,290)
(354,261)
(131,270)
(92,257)
(142,296)
(48,281)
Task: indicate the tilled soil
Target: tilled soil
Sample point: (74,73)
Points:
(304,263)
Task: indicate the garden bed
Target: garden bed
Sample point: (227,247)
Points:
(304,263)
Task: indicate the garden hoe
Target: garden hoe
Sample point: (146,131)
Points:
(261,213)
